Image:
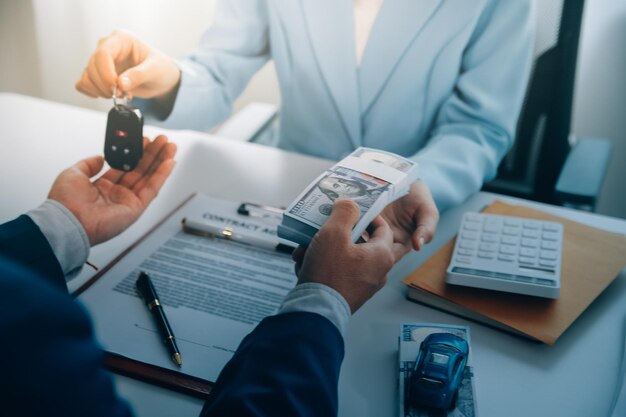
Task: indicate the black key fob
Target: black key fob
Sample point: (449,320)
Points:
(123,144)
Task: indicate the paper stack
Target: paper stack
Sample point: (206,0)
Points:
(370,177)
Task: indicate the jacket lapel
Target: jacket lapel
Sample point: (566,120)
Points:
(330,24)
(397,25)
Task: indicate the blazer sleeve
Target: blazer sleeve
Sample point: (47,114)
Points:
(51,364)
(21,240)
(288,366)
(476,125)
(231,51)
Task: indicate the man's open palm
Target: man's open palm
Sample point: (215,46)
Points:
(107,206)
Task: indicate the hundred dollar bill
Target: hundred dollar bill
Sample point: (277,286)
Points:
(371,178)
(411,336)
(314,207)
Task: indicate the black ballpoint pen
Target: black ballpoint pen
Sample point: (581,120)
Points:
(149,295)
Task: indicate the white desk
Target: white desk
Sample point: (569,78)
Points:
(515,377)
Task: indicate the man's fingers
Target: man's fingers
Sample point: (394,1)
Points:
(297,267)
(298,257)
(380,232)
(399,250)
(116,176)
(90,166)
(298,254)
(155,182)
(381,240)
(113,175)
(167,153)
(149,185)
(150,156)
(343,217)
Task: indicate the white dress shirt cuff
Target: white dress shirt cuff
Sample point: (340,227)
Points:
(64,233)
(318,298)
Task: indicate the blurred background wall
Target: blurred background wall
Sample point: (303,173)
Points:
(45,44)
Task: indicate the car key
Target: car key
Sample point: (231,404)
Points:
(123,144)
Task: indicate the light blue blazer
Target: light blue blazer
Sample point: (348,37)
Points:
(441,81)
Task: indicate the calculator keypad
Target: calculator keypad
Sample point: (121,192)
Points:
(508,254)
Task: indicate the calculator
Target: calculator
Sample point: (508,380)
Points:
(510,254)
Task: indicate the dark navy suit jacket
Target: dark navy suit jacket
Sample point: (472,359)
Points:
(50,363)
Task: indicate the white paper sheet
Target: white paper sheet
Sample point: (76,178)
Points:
(214,291)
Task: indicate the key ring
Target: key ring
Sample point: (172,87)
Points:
(125,100)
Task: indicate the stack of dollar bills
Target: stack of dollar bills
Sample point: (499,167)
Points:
(369,177)
(411,336)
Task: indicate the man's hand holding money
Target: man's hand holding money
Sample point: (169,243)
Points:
(356,271)
(380,183)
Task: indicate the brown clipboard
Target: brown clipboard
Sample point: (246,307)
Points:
(153,374)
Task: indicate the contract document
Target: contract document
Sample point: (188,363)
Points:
(214,291)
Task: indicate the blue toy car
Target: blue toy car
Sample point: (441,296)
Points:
(438,371)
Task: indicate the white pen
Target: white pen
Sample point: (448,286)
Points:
(203,228)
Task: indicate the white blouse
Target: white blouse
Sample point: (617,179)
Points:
(365,12)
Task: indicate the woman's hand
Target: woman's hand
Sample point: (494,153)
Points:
(413,219)
(137,69)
